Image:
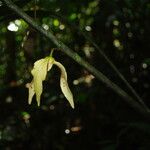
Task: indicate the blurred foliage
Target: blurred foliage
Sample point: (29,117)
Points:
(100,120)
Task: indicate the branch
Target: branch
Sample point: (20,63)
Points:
(79,60)
(86,36)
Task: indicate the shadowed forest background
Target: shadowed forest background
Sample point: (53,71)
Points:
(101,119)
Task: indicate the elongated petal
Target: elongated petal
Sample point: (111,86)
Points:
(39,73)
(31,92)
(64,84)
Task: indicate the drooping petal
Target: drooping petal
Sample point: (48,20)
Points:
(39,73)
(64,84)
(31,92)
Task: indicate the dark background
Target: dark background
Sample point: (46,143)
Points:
(101,119)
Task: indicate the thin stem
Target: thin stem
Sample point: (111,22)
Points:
(51,54)
(121,76)
(79,60)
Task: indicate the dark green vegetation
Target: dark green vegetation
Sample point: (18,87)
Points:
(101,119)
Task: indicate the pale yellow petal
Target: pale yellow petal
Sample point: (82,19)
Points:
(64,84)
(39,73)
(40,68)
(31,92)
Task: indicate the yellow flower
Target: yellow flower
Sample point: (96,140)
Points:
(39,72)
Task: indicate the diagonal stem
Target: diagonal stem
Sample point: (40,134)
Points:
(134,104)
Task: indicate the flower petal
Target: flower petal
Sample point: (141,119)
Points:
(39,73)
(31,92)
(64,84)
